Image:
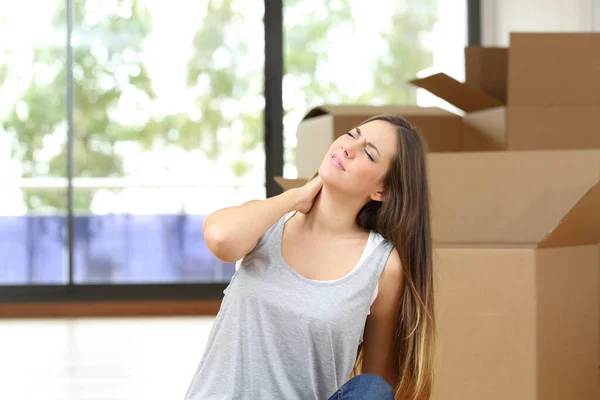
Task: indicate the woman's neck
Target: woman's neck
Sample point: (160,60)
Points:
(333,213)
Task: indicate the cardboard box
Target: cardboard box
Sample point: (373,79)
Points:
(486,69)
(287,184)
(516,265)
(552,102)
(554,69)
(517,274)
(484,124)
(554,82)
(322,125)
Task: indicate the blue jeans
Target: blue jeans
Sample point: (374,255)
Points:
(364,387)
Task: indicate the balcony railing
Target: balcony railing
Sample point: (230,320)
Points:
(118,247)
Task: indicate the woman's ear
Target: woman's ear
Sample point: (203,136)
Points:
(379,195)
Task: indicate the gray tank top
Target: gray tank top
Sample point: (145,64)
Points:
(279,335)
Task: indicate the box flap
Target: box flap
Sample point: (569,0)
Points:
(369,111)
(581,225)
(486,69)
(456,93)
(287,184)
(486,128)
(513,198)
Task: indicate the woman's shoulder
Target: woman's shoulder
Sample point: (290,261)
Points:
(266,239)
(376,238)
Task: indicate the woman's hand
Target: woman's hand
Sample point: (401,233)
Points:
(305,195)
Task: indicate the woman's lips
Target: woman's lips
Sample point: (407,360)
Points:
(338,162)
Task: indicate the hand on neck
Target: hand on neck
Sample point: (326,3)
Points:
(334,212)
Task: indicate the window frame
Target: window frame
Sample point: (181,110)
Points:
(274,155)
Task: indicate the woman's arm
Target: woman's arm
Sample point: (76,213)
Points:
(231,233)
(379,354)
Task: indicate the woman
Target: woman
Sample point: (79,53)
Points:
(335,280)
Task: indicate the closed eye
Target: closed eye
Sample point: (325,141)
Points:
(366,152)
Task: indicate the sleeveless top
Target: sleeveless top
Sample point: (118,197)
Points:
(372,243)
(279,335)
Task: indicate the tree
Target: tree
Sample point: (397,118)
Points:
(406,55)
(307,46)
(220,71)
(107,58)
(309,43)
(109,74)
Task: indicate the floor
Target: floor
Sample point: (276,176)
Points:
(100,358)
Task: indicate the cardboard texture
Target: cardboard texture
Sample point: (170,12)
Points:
(554,81)
(486,69)
(322,125)
(510,198)
(517,323)
(458,94)
(484,125)
(517,274)
(554,69)
(287,184)
(530,128)
(552,90)
(485,130)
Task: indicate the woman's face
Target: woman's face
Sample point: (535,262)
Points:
(357,162)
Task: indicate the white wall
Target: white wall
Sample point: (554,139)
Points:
(500,17)
(447,42)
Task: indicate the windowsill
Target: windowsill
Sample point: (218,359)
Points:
(109,309)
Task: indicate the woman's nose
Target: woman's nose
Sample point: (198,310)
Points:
(351,149)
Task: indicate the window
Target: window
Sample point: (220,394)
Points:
(168,122)
(352,52)
(33,134)
(167,127)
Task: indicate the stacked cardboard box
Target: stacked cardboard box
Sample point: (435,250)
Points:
(322,125)
(516,221)
(517,231)
(516,266)
(552,102)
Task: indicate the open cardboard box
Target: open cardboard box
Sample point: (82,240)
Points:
(552,101)
(440,129)
(517,273)
(484,122)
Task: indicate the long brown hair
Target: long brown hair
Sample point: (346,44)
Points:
(403,217)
